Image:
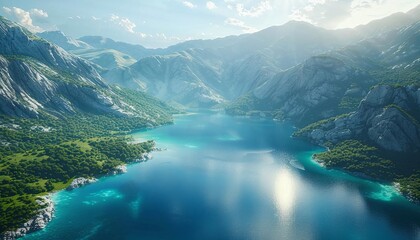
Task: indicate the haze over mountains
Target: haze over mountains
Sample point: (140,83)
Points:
(67,104)
(203,73)
(295,71)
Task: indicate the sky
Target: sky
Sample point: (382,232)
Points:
(154,23)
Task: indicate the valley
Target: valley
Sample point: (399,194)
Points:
(84,107)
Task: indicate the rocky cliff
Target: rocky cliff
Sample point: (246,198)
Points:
(38,77)
(388,117)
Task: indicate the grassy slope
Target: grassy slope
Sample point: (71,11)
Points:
(34,162)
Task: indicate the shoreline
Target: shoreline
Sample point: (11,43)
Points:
(46,214)
(395,185)
(37,222)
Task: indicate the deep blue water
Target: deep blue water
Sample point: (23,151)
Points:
(231,178)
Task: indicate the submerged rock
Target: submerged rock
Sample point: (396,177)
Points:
(38,222)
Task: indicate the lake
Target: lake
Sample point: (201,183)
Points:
(225,177)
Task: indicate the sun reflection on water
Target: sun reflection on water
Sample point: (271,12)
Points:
(285,194)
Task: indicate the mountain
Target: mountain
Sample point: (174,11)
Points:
(317,88)
(133,50)
(389,23)
(335,82)
(105,58)
(226,71)
(387,116)
(38,78)
(64,41)
(184,77)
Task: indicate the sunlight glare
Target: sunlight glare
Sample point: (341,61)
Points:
(285,193)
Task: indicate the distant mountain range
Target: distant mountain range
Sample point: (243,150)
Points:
(203,73)
(295,71)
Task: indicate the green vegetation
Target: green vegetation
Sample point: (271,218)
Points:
(38,156)
(406,113)
(356,156)
(316,125)
(410,186)
(349,103)
(244,105)
(397,77)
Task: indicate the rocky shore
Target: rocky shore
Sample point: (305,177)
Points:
(45,215)
(145,157)
(38,222)
(79,182)
(119,170)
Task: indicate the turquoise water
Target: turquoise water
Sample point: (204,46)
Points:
(231,178)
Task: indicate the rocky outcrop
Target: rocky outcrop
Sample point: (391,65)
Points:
(312,90)
(119,170)
(144,157)
(79,182)
(39,221)
(387,116)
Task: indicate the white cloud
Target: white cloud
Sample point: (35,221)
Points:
(189,4)
(254,11)
(125,23)
(7,10)
(363,11)
(298,15)
(240,24)
(39,13)
(211,5)
(324,13)
(316,2)
(24,17)
(334,14)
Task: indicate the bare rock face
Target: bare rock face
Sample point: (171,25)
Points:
(313,90)
(37,76)
(387,117)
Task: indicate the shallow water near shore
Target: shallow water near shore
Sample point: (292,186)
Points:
(223,177)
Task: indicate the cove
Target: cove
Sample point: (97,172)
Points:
(225,177)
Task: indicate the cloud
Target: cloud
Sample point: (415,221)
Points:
(188,4)
(125,23)
(211,5)
(334,14)
(240,24)
(298,15)
(365,3)
(24,18)
(7,10)
(39,13)
(254,11)
(324,13)
(363,11)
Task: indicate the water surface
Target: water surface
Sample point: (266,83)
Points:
(231,178)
